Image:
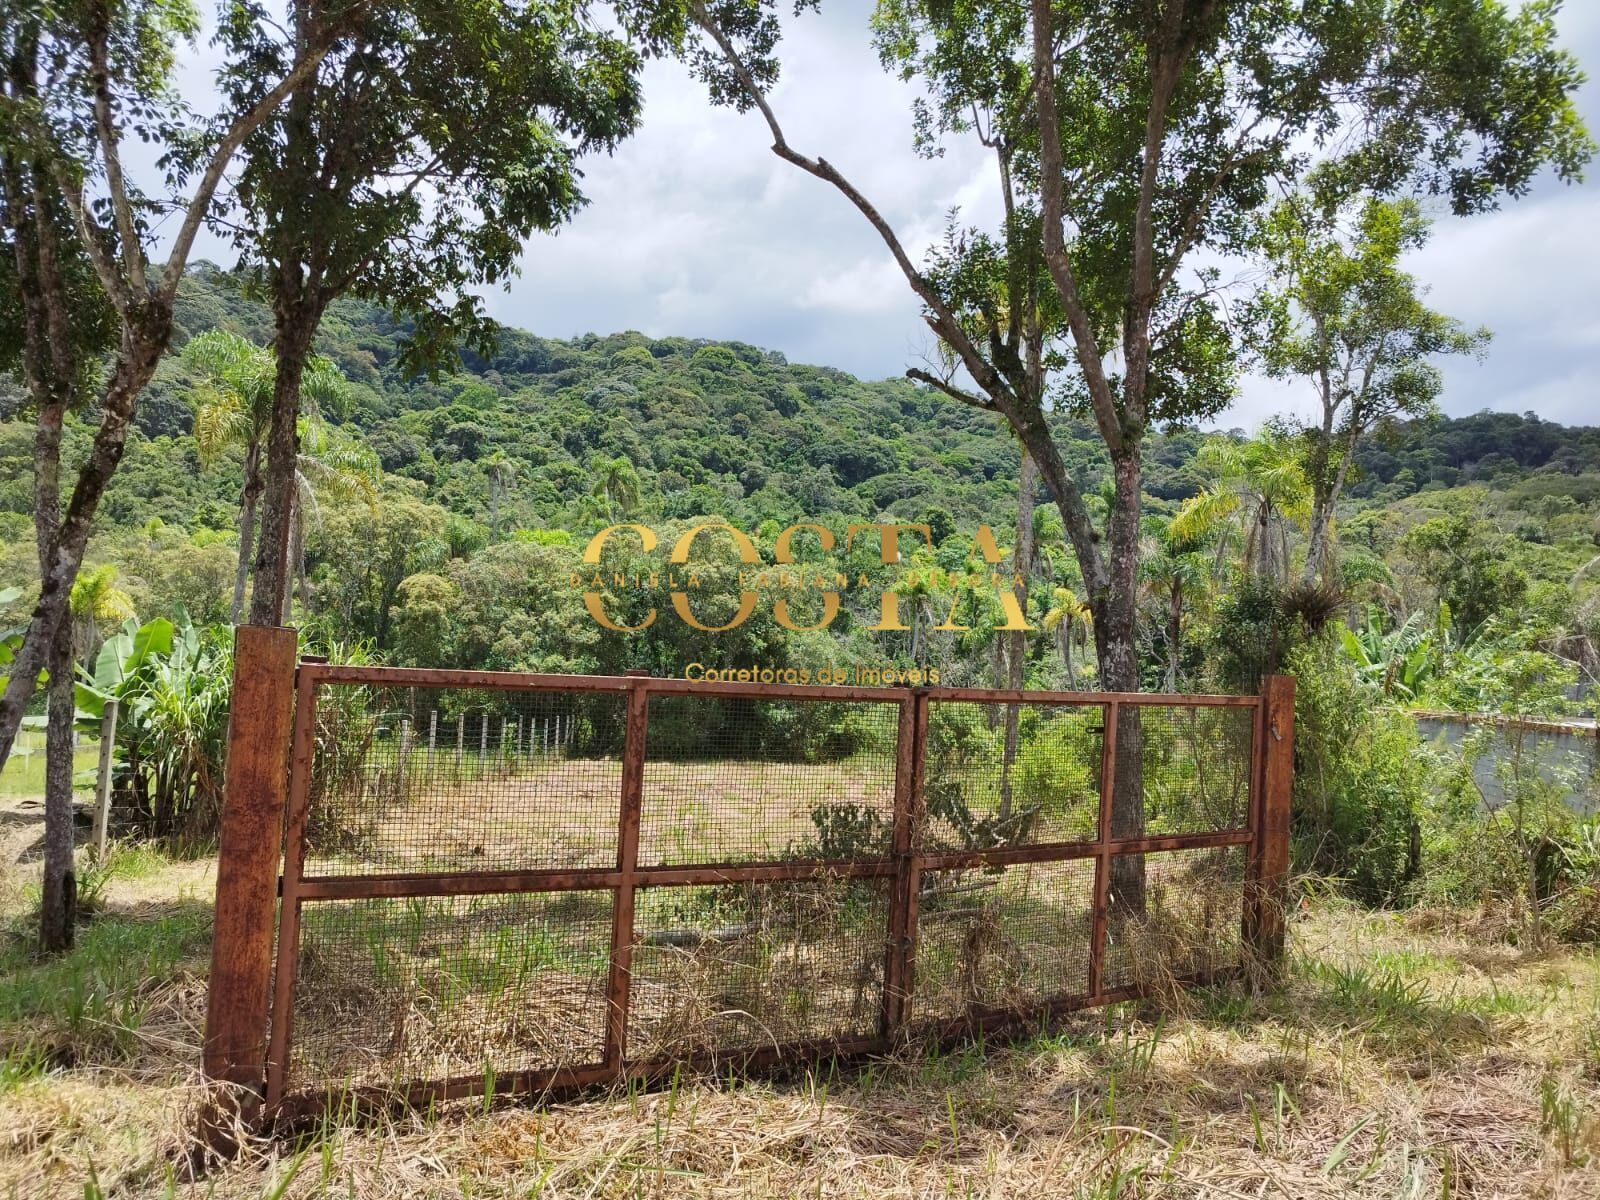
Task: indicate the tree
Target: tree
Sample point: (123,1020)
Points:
(329,464)
(616,483)
(77,231)
(408,169)
(109,69)
(233,411)
(96,601)
(56,326)
(1174,569)
(1142,141)
(1338,310)
(1260,486)
(1065,614)
(502,473)
(364,554)
(1465,559)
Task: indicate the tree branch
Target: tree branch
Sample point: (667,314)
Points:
(105,270)
(949,389)
(1056,258)
(231,141)
(106,132)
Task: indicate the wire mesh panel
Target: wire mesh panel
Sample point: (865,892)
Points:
(736,780)
(756,966)
(1196,763)
(1002,938)
(393,991)
(1010,774)
(458,779)
(1187,922)
(837,917)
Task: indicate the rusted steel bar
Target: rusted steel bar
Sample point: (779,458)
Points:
(312,1103)
(521,681)
(357,887)
(254,797)
(1251,917)
(894,962)
(487,883)
(1003,856)
(914,861)
(294,852)
(1270,882)
(1103,851)
(778,691)
(558,1082)
(1089,699)
(618,985)
(537,681)
(984,1020)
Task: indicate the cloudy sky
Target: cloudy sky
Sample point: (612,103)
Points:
(694,228)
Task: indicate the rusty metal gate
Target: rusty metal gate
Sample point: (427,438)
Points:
(470,882)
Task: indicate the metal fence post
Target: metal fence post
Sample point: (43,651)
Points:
(619,983)
(1100,916)
(899,962)
(1267,887)
(255,794)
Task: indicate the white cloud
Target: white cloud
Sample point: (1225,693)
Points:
(695,228)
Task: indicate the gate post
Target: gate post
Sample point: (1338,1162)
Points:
(1267,887)
(900,961)
(619,982)
(255,794)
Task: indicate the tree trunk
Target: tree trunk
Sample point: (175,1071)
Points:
(1017,642)
(297,553)
(247,527)
(1174,635)
(269,601)
(58,900)
(141,351)
(1116,623)
(1064,640)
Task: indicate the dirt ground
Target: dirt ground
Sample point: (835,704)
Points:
(1408,1055)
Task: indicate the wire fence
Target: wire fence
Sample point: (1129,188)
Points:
(497,882)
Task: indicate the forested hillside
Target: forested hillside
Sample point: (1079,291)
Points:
(492,477)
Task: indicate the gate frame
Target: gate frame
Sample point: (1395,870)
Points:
(266,800)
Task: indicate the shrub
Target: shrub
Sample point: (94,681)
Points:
(1056,765)
(1361,777)
(1529,852)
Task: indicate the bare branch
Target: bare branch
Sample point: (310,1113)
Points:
(949,389)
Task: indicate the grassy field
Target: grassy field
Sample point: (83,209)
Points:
(23,773)
(1407,1056)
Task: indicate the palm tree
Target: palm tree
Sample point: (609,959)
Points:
(502,473)
(95,600)
(1066,612)
(1260,486)
(233,409)
(615,482)
(331,465)
(1172,570)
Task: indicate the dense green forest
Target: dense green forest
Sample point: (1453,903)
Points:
(458,546)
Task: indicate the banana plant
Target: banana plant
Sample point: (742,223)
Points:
(1400,662)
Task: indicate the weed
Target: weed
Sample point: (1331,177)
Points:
(1561,1118)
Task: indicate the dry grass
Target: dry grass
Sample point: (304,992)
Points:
(1406,1057)
(562,812)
